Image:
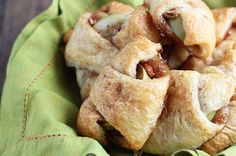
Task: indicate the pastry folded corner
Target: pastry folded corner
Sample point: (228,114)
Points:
(139,24)
(184,122)
(87,122)
(88,49)
(224,18)
(225,138)
(188,22)
(139,50)
(132,106)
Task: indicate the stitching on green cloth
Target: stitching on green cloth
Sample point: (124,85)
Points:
(38,138)
(26,96)
(45,137)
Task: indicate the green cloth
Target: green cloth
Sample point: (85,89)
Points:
(40,99)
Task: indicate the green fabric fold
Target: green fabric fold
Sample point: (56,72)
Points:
(40,100)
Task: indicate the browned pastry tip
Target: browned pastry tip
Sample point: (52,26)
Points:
(184,122)
(193,63)
(87,122)
(87,49)
(156,67)
(137,51)
(225,19)
(120,101)
(227,136)
(67,36)
(182,21)
(139,24)
(130,105)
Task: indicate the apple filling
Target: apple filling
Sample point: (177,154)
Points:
(110,25)
(153,68)
(112,135)
(220,116)
(173,34)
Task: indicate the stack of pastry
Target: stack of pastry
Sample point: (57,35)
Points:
(156,78)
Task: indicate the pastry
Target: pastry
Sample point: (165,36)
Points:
(87,122)
(139,24)
(214,87)
(157,78)
(225,33)
(225,19)
(191,98)
(227,137)
(181,24)
(226,40)
(130,105)
(88,47)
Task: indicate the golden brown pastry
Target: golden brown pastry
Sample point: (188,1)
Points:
(67,36)
(139,50)
(226,40)
(130,105)
(108,20)
(191,98)
(227,66)
(132,99)
(87,122)
(139,24)
(225,19)
(194,63)
(188,24)
(88,49)
(225,138)
(225,33)
(89,46)
(212,92)
(216,86)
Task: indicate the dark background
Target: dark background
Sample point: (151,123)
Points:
(14,15)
